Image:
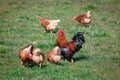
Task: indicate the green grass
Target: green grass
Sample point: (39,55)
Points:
(99,59)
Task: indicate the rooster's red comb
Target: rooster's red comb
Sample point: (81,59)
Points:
(60,30)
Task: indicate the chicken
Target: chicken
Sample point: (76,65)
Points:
(49,25)
(68,49)
(54,55)
(25,54)
(38,56)
(84,19)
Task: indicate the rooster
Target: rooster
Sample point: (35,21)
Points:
(68,49)
(54,55)
(84,19)
(49,25)
(38,56)
(25,54)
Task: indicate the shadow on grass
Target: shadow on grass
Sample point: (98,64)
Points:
(81,58)
(32,64)
(56,64)
(59,64)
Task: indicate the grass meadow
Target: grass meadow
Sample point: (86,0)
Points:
(99,59)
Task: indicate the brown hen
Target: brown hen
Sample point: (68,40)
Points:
(25,54)
(54,55)
(84,19)
(38,56)
(49,25)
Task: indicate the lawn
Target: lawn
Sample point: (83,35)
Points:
(99,59)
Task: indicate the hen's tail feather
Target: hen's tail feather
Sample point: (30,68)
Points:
(58,20)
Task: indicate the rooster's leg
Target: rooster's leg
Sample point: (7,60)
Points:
(66,60)
(72,60)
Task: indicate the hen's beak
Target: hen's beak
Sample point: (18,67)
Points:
(74,18)
(33,43)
